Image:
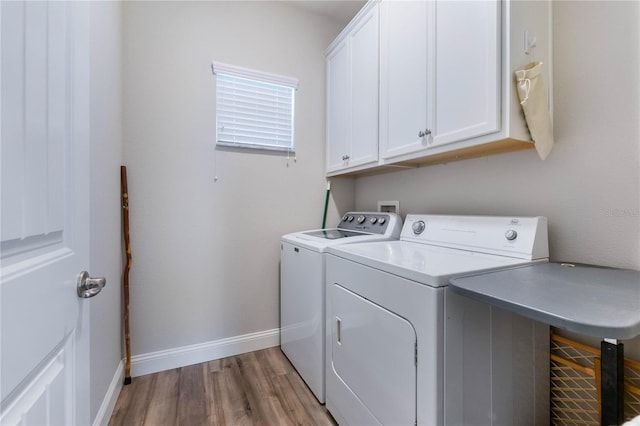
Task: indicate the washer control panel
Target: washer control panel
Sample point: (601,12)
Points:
(520,237)
(374,223)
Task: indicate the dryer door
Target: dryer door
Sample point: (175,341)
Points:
(368,338)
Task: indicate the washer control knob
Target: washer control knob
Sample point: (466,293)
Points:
(373,220)
(418,227)
(350,219)
(361,219)
(511,235)
(344,218)
(381,221)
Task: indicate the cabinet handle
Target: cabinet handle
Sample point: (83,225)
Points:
(345,157)
(338,331)
(422,134)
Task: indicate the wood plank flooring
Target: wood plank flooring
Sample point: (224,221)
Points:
(256,388)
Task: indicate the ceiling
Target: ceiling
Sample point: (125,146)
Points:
(339,10)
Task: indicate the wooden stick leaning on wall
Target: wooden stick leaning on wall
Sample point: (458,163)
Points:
(125,278)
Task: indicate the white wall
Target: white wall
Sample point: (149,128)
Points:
(206,253)
(589,186)
(106,158)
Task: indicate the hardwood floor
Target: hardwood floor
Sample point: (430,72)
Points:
(257,388)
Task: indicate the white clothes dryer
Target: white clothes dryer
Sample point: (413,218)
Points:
(402,350)
(302,296)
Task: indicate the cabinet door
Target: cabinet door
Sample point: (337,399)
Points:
(404,36)
(466,58)
(364,91)
(337,106)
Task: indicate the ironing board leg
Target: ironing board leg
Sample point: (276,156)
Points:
(612,374)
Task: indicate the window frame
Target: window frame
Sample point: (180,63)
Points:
(259,77)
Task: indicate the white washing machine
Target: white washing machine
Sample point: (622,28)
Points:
(402,350)
(302,296)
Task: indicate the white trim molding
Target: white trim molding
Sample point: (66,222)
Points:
(194,354)
(111,397)
(281,80)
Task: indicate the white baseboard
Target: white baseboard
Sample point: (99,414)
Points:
(194,354)
(111,397)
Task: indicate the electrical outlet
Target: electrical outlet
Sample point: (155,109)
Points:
(389,207)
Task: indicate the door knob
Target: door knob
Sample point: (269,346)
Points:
(89,287)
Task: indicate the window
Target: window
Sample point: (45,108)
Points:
(254,109)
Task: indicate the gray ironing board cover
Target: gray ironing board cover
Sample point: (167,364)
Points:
(591,300)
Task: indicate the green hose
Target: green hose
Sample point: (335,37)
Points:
(326,205)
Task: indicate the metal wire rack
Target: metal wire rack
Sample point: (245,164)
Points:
(575,383)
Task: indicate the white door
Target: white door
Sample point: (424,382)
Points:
(404,107)
(466,58)
(363,78)
(338,107)
(45,214)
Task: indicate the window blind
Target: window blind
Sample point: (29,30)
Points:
(254,109)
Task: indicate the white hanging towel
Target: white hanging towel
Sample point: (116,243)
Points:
(535,104)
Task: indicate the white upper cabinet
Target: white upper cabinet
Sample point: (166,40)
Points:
(439,75)
(352,95)
(465,71)
(404,69)
(447,88)
(337,107)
